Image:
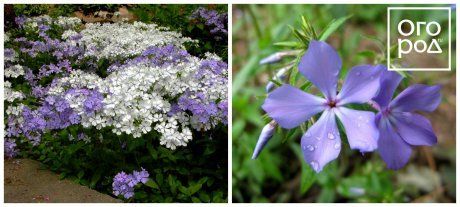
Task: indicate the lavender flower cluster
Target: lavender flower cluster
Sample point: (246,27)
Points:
(152,82)
(215,21)
(123,184)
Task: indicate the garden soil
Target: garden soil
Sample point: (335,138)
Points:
(26,181)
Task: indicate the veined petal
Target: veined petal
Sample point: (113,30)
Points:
(389,81)
(414,128)
(321,143)
(289,106)
(321,65)
(392,148)
(361,84)
(417,97)
(360,128)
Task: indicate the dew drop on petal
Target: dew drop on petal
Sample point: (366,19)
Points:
(330,135)
(318,138)
(337,145)
(310,148)
(358,73)
(308,134)
(314,165)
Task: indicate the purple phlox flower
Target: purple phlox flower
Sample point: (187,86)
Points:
(42,30)
(30,77)
(399,126)
(39,91)
(120,185)
(10,148)
(166,55)
(201,108)
(290,106)
(20,20)
(216,22)
(61,105)
(123,184)
(9,53)
(142,176)
(216,67)
(93,101)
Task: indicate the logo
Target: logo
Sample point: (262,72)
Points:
(419,38)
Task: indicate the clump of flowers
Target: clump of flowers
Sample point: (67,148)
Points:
(151,83)
(392,131)
(10,148)
(215,21)
(123,184)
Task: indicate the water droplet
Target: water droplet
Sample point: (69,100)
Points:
(337,145)
(330,135)
(311,148)
(358,73)
(303,147)
(316,146)
(318,138)
(314,165)
(308,134)
(359,124)
(360,117)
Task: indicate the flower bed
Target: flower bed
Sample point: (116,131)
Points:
(93,101)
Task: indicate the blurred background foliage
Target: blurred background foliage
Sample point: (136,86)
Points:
(174,16)
(280,174)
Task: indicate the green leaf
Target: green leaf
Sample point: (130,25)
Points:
(152,184)
(196,200)
(204,197)
(184,190)
(367,53)
(288,44)
(80,174)
(172,184)
(194,188)
(332,27)
(95,178)
(62,176)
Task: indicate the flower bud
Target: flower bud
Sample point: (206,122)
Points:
(276,57)
(273,58)
(281,76)
(264,137)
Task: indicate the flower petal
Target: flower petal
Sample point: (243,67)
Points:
(414,128)
(392,148)
(321,65)
(361,84)
(290,106)
(321,144)
(389,81)
(360,128)
(417,97)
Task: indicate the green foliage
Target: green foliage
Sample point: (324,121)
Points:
(189,174)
